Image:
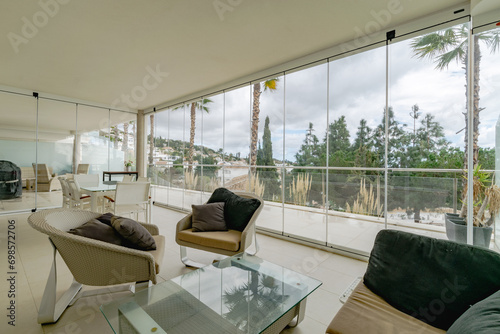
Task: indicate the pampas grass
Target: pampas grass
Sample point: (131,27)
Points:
(191,179)
(365,203)
(299,189)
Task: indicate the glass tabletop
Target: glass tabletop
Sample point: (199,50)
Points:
(101,187)
(240,294)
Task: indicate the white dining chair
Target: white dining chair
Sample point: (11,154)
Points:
(66,199)
(130,197)
(128,178)
(78,200)
(146,179)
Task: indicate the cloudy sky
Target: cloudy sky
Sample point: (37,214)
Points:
(354,87)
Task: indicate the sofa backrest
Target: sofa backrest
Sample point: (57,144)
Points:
(430,279)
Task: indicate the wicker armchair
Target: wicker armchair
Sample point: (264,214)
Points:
(45,180)
(91,262)
(217,242)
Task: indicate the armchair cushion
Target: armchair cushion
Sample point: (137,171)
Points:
(136,235)
(228,240)
(95,229)
(208,217)
(237,210)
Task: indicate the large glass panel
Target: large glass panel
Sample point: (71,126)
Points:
(488,131)
(356,108)
(212,144)
(194,111)
(236,138)
(305,145)
(123,125)
(55,149)
(159,155)
(177,135)
(268,136)
(303,216)
(98,141)
(18,146)
(427,129)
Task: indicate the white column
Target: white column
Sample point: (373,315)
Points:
(140,152)
(77,151)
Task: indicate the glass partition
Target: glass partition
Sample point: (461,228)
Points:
(48,139)
(55,149)
(98,142)
(312,142)
(212,144)
(356,148)
(237,127)
(306,120)
(427,130)
(18,146)
(488,129)
(194,113)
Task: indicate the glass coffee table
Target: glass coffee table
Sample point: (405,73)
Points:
(240,294)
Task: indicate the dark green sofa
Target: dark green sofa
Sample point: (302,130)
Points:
(417,284)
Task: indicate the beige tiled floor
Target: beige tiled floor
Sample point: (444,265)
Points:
(33,260)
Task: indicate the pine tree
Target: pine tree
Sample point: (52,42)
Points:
(265,158)
(338,139)
(267,145)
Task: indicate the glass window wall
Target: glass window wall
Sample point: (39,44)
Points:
(312,142)
(48,139)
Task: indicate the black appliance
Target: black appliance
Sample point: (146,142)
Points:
(11,183)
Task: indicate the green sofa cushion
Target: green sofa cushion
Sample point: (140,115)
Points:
(430,279)
(237,210)
(481,318)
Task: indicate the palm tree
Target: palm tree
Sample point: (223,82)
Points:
(257,91)
(198,105)
(450,45)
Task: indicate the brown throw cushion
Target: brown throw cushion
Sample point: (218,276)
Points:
(136,235)
(94,229)
(106,218)
(209,217)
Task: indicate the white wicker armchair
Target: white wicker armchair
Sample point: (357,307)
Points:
(91,262)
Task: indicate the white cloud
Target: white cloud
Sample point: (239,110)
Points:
(353,87)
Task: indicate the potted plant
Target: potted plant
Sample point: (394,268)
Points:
(486,205)
(128,164)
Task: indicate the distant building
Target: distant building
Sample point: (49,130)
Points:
(231,170)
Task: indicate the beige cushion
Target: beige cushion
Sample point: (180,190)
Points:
(365,312)
(159,251)
(228,240)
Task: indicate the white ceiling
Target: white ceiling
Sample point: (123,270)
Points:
(100,51)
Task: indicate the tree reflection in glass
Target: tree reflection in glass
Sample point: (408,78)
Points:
(251,303)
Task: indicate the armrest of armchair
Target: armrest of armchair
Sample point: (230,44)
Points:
(153,229)
(247,235)
(185,223)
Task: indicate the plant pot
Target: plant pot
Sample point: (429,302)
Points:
(456,230)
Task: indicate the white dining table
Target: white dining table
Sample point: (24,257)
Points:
(97,191)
